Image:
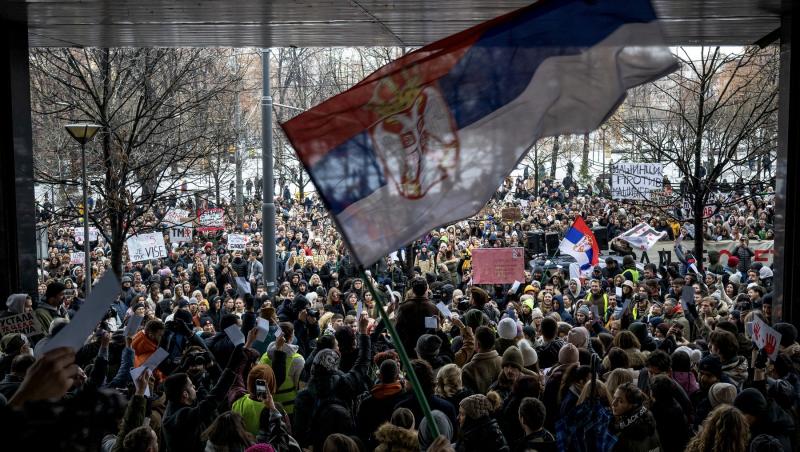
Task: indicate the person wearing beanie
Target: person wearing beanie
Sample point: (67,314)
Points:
(682,370)
(732,265)
(765,417)
(512,368)
(399,434)
(646,341)
(579,337)
(568,355)
(721,393)
(53,306)
(479,431)
(377,407)
(530,360)
(582,315)
(709,372)
(507,332)
(428,346)
(17,303)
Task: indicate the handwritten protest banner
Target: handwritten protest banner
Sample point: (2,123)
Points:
(176,216)
(237,242)
(77,258)
(77,232)
(180,234)
(210,220)
(498,265)
(25,323)
(766,338)
(144,247)
(642,236)
(635,180)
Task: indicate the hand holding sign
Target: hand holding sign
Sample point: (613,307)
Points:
(770,345)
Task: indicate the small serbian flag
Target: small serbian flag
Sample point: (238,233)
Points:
(425,140)
(579,242)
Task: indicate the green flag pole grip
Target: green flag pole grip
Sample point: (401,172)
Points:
(412,377)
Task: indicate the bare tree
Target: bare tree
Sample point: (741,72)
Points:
(158,109)
(721,107)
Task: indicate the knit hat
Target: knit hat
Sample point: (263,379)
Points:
(442,423)
(513,357)
(584,310)
(529,288)
(126,279)
(712,365)
(537,313)
(733,261)
(765,272)
(529,355)
(788,333)
(568,354)
(473,318)
(629,284)
(53,289)
(403,418)
(694,355)
(579,337)
(476,406)
(12,343)
(428,346)
(721,393)
(327,360)
(183,316)
(507,329)
(751,401)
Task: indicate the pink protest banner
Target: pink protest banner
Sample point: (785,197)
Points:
(498,265)
(766,338)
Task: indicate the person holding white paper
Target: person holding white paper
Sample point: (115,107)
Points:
(287,391)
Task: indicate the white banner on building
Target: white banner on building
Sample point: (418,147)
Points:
(636,180)
(237,242)
(642,236)
(144,247)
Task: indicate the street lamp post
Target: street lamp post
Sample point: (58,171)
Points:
(268,184)
(82,133)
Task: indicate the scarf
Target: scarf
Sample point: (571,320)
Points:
(627,420)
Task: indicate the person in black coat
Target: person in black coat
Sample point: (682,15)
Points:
(479,432)
(426,380)
(411,316)
(671,422)
(220,344)
(378,407)
(187,417)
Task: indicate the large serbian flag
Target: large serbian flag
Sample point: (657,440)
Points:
(427,139)
(579,242)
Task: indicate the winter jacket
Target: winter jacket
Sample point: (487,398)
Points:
(541,441)
(481,435)
(411,321)
(736,370)
(548,353)
(482,371)
(376,409)
(672,425)
(636,433)
(396,439)
(435,402)
(183,425)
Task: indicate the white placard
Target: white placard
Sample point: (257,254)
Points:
(144,247)
(431,322)
(242,286)
(444,310)
(176,216)
(77,258)
(630,180)
(134,322)
(515,286)
(263,329)
(234,333)
(237,242)
(765,337)
(152,363)
(74,334)
(77,232)
(642,236)
(619,292)
(180,234)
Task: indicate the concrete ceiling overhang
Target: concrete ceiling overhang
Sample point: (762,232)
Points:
(310,23)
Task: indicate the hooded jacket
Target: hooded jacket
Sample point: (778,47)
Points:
(15,304)
(481,435)
(376,409)
(636,433)
(482,371)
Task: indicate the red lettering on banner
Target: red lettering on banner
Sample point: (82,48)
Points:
(759,256)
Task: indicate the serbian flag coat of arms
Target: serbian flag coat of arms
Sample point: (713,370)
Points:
(579,242)
(426,140)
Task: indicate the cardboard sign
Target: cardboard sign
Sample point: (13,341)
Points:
(766,338)
(180,234)
(237,242)
(498,265)
(210,220)
(77,258)
(511,214)
(145,247)
(25,323)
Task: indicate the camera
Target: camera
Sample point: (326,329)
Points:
(197,359)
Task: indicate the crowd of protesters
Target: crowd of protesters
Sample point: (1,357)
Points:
(614,360)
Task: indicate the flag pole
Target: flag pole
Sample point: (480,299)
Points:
(412,377)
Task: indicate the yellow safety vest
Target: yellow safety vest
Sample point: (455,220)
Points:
(287,392)
(605,304)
